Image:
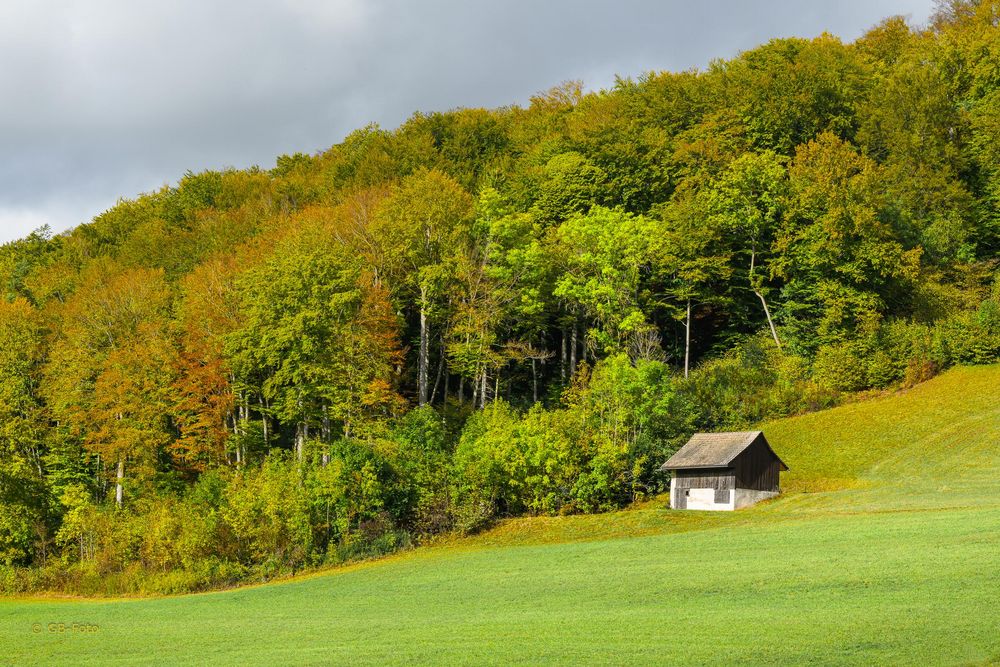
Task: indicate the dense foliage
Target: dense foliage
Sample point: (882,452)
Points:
(490,313)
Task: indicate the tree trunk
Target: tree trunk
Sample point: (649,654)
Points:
(572,352)
(100,478)
(236,432)
(37,457)
(263,421)
(437,378)
(760,295)
(326,436)
(424,352)
(244,418)
(301,433)
(687,340)
(120,483)
(482,390)
(534,382)
(562,359)
(770,322)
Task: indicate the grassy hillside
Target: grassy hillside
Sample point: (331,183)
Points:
(882,550)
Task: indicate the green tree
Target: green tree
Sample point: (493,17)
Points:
(418,225)
(691,264)
(839,251)
(606,252)
(747,200)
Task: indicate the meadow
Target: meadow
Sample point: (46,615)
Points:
(882,550)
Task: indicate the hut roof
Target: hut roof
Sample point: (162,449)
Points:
(715,450)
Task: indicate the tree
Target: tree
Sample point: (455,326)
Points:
(20,259)
(368,363)
(838,249)
(606,252)
(126,420)
(691,262)
(317,333)
(204,404)
(499,294)
(418,224)
(787,91)
(108,371)
(747,200)
(23,502)
(570,185)
(296,304)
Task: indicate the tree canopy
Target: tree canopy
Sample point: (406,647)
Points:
(490,312)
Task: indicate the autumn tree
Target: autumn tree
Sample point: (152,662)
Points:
(205,406)
(108,371)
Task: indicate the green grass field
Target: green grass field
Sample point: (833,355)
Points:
(885,549)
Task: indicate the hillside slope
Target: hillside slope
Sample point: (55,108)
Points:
(882,550)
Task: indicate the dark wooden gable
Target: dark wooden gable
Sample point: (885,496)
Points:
(757,467)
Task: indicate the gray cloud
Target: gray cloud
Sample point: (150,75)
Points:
(110,98)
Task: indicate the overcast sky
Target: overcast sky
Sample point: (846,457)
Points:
(104,99)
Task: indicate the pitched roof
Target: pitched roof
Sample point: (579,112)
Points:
(714,450)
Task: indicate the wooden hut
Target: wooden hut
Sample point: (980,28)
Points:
(723,471)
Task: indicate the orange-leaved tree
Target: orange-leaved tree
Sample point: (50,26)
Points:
(109,369)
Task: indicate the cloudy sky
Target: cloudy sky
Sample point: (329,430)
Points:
(104,99)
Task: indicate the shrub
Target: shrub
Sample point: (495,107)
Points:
(488,468)
(422,457)
(840,367)
(267,511)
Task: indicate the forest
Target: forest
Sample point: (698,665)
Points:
(488,313)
